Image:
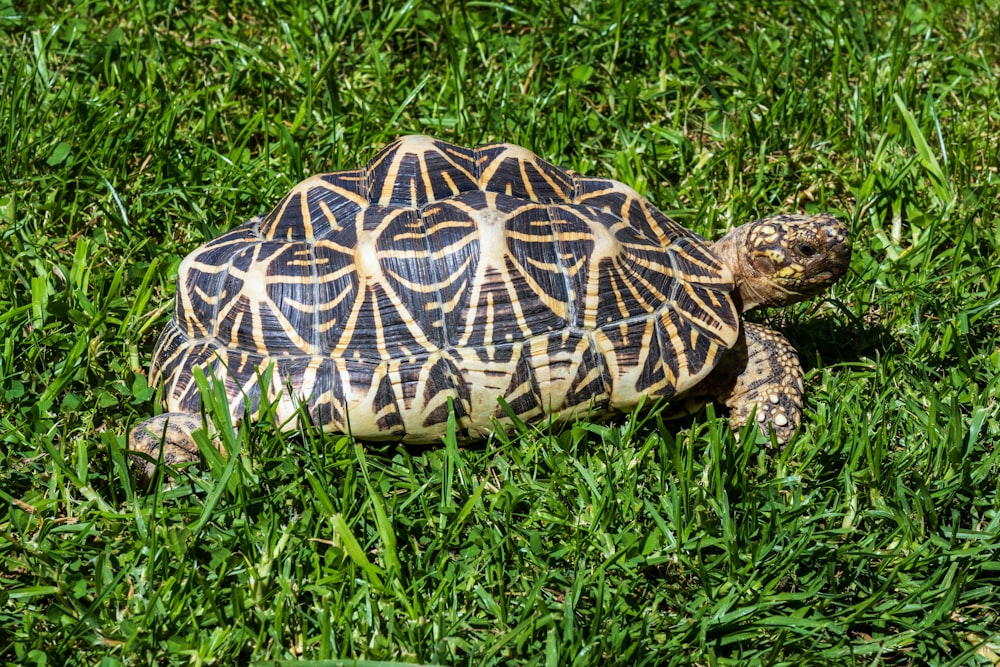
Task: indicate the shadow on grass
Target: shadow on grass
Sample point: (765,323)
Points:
(830,341)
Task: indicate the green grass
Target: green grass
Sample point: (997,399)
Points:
(130,132)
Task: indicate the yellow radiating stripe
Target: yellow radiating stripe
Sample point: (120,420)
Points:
(278,213)
(528,185)
(558,188)
(649,306)
(426,176)
(712,324)
(648,340)
(674,347)
(173,399)
(443,224)
(324,277)
(391,157)
(361,296)
(203,295)
(364,283)
(449,306)
(330,305)
(450,182)
(307,226)
(234,332)
(331,218)
(456,158)
(320,189)
(595,372)
(193,324)
(558,307)
(159,363)
(474,297)
(411,285)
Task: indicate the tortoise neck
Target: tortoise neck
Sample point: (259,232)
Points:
(753,289)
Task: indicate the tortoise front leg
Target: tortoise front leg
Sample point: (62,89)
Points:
(763,376)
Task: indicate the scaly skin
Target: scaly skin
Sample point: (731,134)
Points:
(776,262)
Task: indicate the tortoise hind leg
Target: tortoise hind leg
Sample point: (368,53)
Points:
(171,433)
(766,380)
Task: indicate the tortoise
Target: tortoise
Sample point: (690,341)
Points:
(439,279)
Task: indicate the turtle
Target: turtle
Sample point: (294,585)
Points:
(436,280)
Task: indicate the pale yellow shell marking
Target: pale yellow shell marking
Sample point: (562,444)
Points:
(546,266)
(625,377)
(492,253)
(331,218)
(595,371)
(491,379)
(191,287)
(445,251)
(605,247)
(655,268)
(271,392)
(378,374)
(369,272)
(425,176)
(510,151)
(420,288)
(490,224)
(170,391)
(290,398)
(255,281)
(447,179)
(315,187)
(366,257)
(357,401)
(441,397)
(328,275)
(693,338)
(203,295)
(412,418)
(237,324)
(554,372)
(307,226)
(443,224)
(633,288)
(677,343)
(571,266)
(529,182)
(460,166)
(385,196)
(559,307)
(449,306)
(192,323)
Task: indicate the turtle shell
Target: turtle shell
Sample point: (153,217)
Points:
(439,279)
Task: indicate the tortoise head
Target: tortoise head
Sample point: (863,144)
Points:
(786,258)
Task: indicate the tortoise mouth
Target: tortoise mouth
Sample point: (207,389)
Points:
(840,259)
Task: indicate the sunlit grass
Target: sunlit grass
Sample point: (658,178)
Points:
(131,132)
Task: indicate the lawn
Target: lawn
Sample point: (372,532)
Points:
(131,132)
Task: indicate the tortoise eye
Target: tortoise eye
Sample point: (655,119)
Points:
(805,249)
